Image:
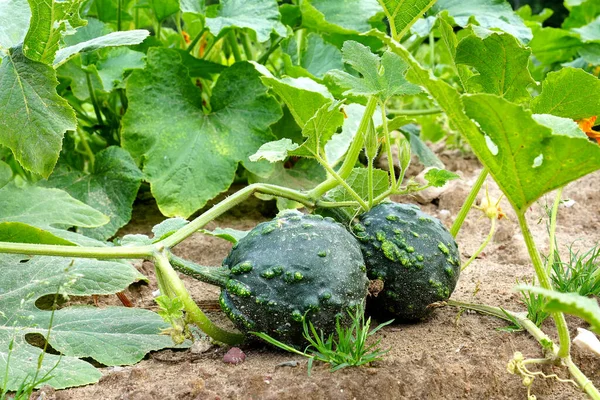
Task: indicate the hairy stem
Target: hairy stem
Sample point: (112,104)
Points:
(217,276)
(544,280)
(229,203)
(194,314)
(352,154)
(133,252)
(342,182)
(483,245)
(584,383)
(553,218)
(466,207)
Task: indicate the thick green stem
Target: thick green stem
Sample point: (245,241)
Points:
(195,41)
(247,46)
(352,154)
(544,280)
(119,6)
(582,380)
(229,203)
(146,252)
(342,182)
(553,218)
(217,276)
(133,252)
(336,204)
(93,98)
(370,181)
(87,148)
(466,207)
(584,383)
(483,245)
(194,313)
(432,49)
(233,44)
(388,145)
(265,56)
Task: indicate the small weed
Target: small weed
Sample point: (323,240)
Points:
(30,383)
(346,348)
(535,310)
(580,274)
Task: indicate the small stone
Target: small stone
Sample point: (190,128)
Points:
(292,364)
(444,213)
(234,356)
(201,346)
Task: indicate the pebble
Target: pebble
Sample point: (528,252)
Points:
(234,356)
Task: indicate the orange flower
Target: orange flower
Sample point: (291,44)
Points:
(186,37)
(586,125)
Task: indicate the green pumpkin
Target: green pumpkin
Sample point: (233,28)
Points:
(413,254)
(291,267)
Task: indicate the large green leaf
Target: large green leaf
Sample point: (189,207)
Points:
(303,96)
(50,21)
(582,14)
(111,336)
(501,62)
(379,76)
(525,158)
(33,117)
(337,146)
(319,129)
(113,39)
(14,22)
(446,96)
(590,32)
(571,303)
(546,161)
(450,41)
(313,57)
(5,173)
(402,14)
(570,93)
(339,16)
(260,16)
(110,188)
(164,8)
(188,156)
(550,45)
(490,14)
(77,74)
(112,65)
(27,211)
